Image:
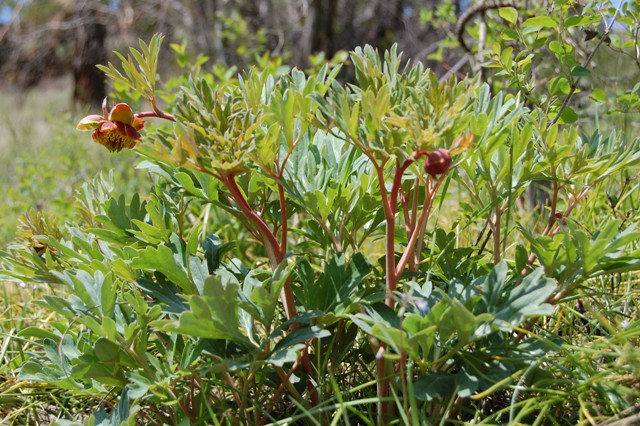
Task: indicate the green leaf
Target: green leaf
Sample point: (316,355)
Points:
(39,333)
(188,185)
(87,287)
(435,385)
(139,384)
(198,272)
(168,294)
(164,261)
(578,71)
(568,116)
(574,21)
(108,296)
(117,212)
(337,288)
(136,301)
(464,322)
(540,21)
(509,34)
(527,300)
(59,305)
(467,383)
(267,294)
(214,315)
(104,374)
(560,48)
(301,335)
(493,284)
(106,351)
(599,95)
(286,355)
(506,57)
(559,86)
(214,250)
(509,14)
(521,258)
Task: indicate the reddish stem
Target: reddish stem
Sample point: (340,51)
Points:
(283,216)
(269,240)
(413,261)
(418,230)
(397,184)
(154,114)
(389,204)
(397,179)
(384,407)
(276,253)
(278,392)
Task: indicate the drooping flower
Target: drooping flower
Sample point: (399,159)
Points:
(116,130)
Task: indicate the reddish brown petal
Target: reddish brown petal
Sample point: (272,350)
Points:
(116,136)
(138,123)
(121,113)
(127,131)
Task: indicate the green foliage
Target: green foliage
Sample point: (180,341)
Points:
(140,69)
(404,111)
(294,260)
(556,57)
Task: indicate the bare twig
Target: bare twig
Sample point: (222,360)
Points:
(475,10)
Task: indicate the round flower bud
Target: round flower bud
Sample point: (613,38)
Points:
(437,162)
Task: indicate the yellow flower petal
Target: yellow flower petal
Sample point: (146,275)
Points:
(90,122)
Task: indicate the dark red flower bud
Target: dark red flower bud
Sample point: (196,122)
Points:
(437,162)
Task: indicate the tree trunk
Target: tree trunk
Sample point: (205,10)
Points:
(322,38)
(89,85)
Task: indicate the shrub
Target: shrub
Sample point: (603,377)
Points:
(312,250)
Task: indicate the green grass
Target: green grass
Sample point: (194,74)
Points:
(23,402)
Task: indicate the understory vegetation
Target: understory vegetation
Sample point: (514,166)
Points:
(358,242)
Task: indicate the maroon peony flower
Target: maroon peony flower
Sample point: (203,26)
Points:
(116,130)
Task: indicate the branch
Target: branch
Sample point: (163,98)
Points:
(475,10)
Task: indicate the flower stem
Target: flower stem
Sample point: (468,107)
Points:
(156,114)
(276,252)
(418,231)
(269,240)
